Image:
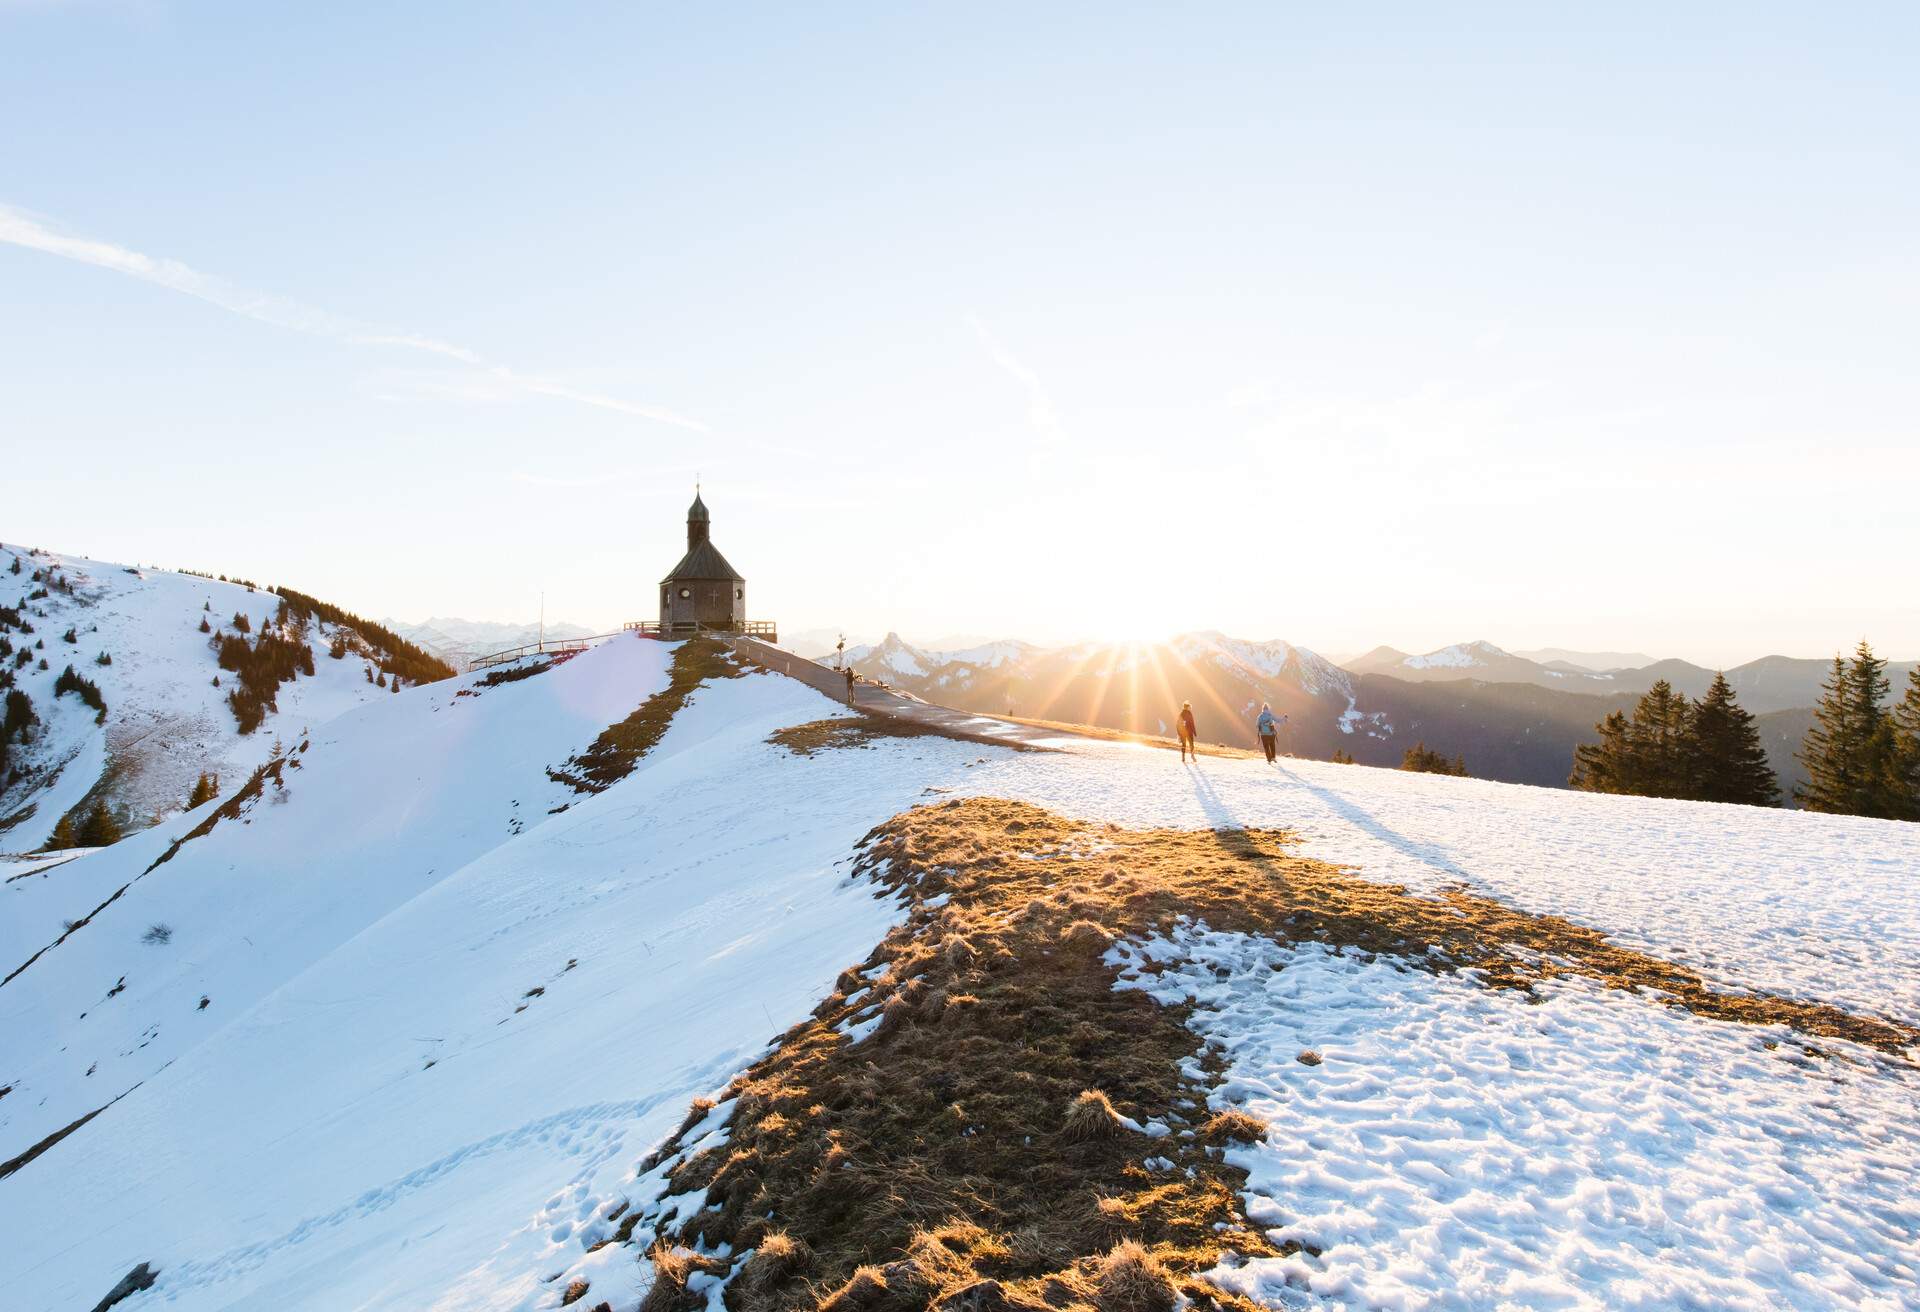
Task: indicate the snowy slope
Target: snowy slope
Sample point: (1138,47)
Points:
(442,1028)
(1454,1146)
(387,916)
(166,721)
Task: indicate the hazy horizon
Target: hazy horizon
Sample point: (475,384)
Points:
(1343,328)
(952,641)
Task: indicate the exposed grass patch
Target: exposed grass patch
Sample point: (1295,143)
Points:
(978,1150)
(512,674)
(859,730)
(618,749)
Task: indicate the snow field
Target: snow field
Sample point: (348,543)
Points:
(1824,908)
(1459,1148)
(445,1023)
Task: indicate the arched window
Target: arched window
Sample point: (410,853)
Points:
(739,594)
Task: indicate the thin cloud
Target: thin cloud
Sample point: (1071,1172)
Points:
(18,227)
(1040,412)
(413,343)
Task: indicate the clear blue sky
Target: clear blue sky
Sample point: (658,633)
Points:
(1401,326)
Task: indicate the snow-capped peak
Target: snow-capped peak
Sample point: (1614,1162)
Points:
(1461,655)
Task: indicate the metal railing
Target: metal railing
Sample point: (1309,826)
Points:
(763,629)
(550,647)
(766,629)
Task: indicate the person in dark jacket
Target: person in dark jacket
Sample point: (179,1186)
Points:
(850,677)
(1269,728)
(1187,733)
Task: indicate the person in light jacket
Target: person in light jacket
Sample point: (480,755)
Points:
(1269,728)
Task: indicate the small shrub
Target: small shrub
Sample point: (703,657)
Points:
(241,624)
(158,933)
(70,636)
(103,659)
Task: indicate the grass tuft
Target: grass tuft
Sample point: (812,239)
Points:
(1233,1126)
(1085,936)
(1130,1279)
(1091,1116)
(777,1259)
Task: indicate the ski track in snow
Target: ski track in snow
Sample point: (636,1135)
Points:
(1459,1148)
(425,1022)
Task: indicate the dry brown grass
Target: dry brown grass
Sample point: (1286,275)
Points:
(849,731)
(1002,1037)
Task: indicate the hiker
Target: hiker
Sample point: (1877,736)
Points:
(848,671)
(1269,727)
(1187,733)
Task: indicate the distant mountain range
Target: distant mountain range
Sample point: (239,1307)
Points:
(1772,683)
(458,641)
(1593,662)
(1514,718)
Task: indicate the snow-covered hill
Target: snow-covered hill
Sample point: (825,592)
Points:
(167,718)
(395,1030)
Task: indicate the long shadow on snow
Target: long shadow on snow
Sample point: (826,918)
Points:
(1431,854)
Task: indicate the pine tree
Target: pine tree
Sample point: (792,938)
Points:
(205,789)
(1424,760)
(1904,762)
(99,829)
(204,626)
(1604,767)
(1341,757)
(1659,737)
(1849,751)
(63,835)
(1726,761)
